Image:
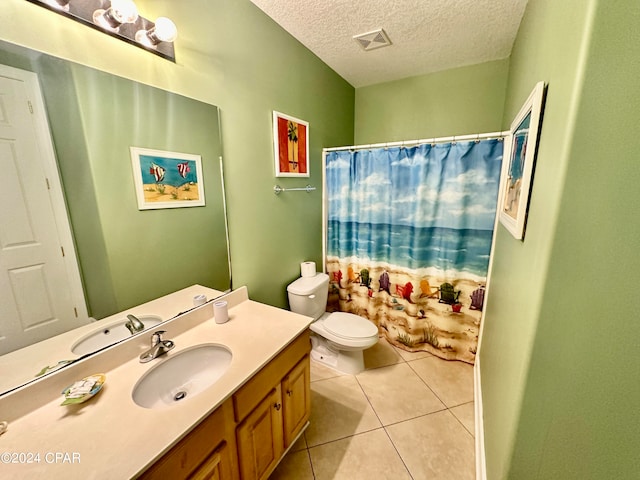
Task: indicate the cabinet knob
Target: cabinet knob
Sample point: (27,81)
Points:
(289,392)
(277,406)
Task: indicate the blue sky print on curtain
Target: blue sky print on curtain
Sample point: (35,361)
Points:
(408,240)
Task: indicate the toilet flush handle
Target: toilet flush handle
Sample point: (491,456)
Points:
(312,297)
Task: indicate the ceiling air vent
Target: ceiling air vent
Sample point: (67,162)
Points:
(372,40)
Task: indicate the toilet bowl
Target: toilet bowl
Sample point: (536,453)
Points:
(340,338)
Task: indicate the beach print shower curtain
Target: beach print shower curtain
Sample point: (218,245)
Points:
(409,234)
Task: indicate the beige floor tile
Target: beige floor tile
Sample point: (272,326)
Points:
(366,456)
(397,393)
(380,355)
(466,414)
(435,446)
(451,381)
(322,372)
(339,408)
(294,466)
(409,356)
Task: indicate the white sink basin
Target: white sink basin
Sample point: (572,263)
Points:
(110,333)
(182,375)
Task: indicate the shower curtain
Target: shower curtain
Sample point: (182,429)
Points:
(408,235)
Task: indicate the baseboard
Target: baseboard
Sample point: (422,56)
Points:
(481,470)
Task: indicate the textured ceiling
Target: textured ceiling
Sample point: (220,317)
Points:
(426,35)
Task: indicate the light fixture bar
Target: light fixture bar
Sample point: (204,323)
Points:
(115,18)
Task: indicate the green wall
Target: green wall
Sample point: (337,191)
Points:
(268,70)
(547,48)
(231,55)
(588,319)
(460,101)
(559,376)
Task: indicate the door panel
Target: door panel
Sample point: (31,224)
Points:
(259,437)
(296,400)
(36,292)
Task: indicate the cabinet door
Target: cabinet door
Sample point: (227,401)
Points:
(216,467)
(259,438)
(296,400)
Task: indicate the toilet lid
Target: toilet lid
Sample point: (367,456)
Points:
(309,285)
(348,325)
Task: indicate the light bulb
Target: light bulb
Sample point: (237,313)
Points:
(125,11)
(164,30)
(120,11)
(58,4)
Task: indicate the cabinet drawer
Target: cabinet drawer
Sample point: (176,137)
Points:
(194,449)
(250,395)
(216,467)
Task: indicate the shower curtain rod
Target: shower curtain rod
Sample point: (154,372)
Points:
(413,143)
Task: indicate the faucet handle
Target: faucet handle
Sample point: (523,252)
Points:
(156,338)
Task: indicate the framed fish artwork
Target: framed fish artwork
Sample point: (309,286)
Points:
(167,179)
(291,146)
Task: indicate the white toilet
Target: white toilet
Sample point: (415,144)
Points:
(340,337)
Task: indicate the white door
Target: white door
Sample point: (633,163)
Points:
(40,288)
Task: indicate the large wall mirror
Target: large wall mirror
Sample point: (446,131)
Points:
(126,256)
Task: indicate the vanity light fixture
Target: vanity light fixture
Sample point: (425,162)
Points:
(119,19)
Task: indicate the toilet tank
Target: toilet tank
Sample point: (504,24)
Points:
(308,295)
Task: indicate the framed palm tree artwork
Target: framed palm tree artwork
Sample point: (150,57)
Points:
(291,146)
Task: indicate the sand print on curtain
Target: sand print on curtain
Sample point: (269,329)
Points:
(408,240)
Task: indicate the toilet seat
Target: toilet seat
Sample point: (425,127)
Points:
(353,332)
(350,326)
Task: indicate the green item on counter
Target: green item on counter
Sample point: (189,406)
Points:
(60,364)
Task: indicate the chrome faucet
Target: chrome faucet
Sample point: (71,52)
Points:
(158,347)
(133,324)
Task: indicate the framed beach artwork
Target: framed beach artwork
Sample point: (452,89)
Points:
(291,146)
(520,146)
(167,179)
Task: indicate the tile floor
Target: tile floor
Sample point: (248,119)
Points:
(407,416)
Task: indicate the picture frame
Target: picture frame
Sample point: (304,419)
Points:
(291,146)
(167,179)
(520,150)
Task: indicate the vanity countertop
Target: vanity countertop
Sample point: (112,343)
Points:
(110,436)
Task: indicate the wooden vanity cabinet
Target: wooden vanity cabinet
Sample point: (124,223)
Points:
(272,410)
